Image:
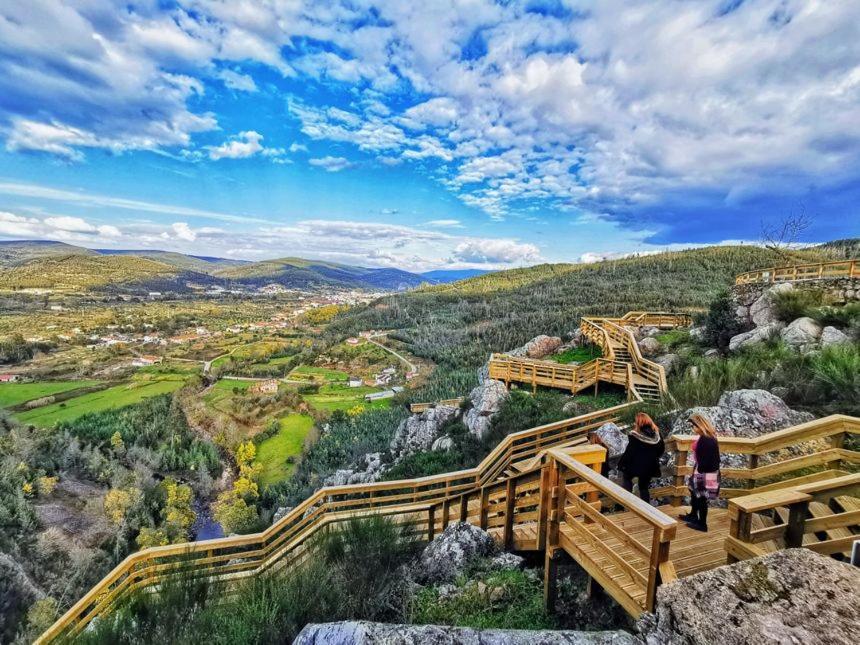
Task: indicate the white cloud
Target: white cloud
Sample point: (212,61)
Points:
(73,224)
(493,251)
(236,81)
(183,232)
(331,164)
(243,145)
(445,223)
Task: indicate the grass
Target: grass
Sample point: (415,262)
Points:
(114,397)
(310,373)
(333,397)
(12,394)
(275,452)
(577,355)
(219,395)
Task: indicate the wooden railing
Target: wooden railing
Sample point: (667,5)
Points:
(416,408)
(419,501)
(802,454)
(822,516)
(618,561)
(573,378)
(837,269)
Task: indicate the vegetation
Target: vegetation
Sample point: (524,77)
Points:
(279,453)
(355,572)
(577,354)
(721,322)
(792,304)
(12,394)
(76,272)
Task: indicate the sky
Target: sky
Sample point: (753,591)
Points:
(425,135)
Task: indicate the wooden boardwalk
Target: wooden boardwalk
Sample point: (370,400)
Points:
(798,272)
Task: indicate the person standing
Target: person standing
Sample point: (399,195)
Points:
(704,483)
(641,458)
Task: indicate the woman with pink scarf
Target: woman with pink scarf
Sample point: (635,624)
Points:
(704,483)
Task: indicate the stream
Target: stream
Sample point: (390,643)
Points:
(205,527)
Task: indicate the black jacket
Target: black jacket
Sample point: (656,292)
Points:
(641,458)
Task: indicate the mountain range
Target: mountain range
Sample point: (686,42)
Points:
(60,266)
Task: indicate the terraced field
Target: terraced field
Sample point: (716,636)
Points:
(334,396)
(12,394)
(310,373)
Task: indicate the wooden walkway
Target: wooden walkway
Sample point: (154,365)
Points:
(798,272)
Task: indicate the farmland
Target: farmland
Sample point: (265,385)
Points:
(278,454)
(317,374)
(12,394)
(335,396)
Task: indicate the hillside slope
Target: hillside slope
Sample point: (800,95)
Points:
(13,253)
(201,264)
(457,325)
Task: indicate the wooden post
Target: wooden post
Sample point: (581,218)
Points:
(659,555)
(431,523)
(550,578)
(753,464)
(510,506)
(485,507)
(796,524)
(464,507)
(836,441)
(740,525)
(446,512)
(679,480)
(546,475)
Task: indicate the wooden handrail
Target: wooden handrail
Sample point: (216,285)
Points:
(814,271)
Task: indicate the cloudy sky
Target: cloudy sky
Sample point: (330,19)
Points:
(427,134)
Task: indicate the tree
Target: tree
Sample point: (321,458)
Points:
(234,514)
(783,234)
(117,503)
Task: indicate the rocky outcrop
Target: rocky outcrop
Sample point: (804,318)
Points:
(507,562)
(802,334)
(448,555)
(763,311)
(832,336)
(486,400)
(757,335)
(744,413)
(371,469)
(649,346)
(281,513)
(367,633)
(792,596)
(538,347)
(669,362)
(418,432)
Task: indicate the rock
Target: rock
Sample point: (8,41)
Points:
(370,470)
(538,347)
(507,562)
(780,391)
(443,443)
(712,354)
(802,333)
(763,311)
(576,338)
(418,432)
(669,362)
(697,334)
(791,596)
(614,438)
(757,335)
(648,331)
(649,346)
(367,633)
(486,401)
(742,313)
(744,413)
(281,513)
(448,555)
(832,336)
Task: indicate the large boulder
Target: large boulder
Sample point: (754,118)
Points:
(486,400)
(538,347)
(448,555)
(763,311)
(744,413)
(669,362)
(802,334)
(791,596)
(757,335)
(370,469)
(418,432)
(649,346)
(367,633)
(832,336)
(614,438)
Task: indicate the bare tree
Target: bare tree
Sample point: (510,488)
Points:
(783,234)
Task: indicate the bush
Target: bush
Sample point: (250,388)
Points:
(845,316)
(794,304)
(501,600)
(721,323)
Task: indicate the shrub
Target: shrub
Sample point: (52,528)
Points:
(721,323)
(795,303)
(844,316)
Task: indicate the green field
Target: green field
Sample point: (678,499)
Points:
(12,394)
(309,373)
(578,355)
(218,396)
(273,453)
(114,397)
(333,397)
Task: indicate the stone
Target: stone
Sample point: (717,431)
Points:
(669,362)
(780,391)
(369,470)
(757,335)
(448,555)
(507,562)
(697,334)
(486,400)
(368,633)
(649,346)
(281,513)
(648,331)
(802,333)
(832,336)
(538,347)
(614,438)
(712,354)
(744,413)
(763,311)
(418,432)
(790,596)
(443,443)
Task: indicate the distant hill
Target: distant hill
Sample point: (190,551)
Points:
(20,251)
(442,276)
(200,263)
(301,273)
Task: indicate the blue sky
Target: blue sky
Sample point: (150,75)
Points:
(427,135)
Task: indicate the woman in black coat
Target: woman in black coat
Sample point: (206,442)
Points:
(641,458)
